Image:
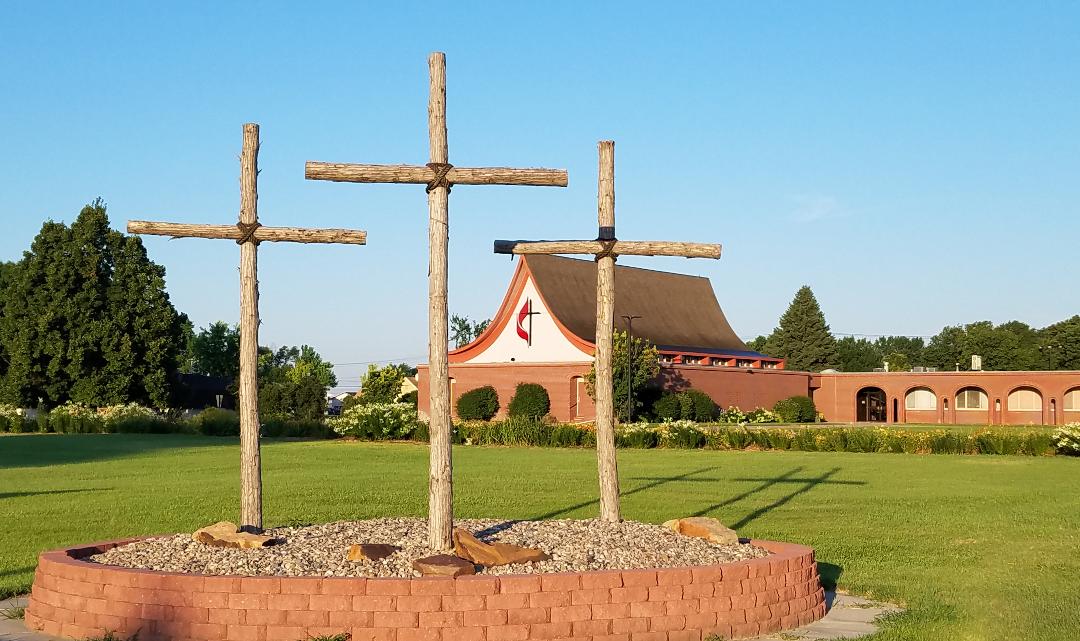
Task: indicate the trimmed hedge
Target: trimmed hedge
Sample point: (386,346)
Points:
(797,409)
(530,401)
(478,404)
(688,405)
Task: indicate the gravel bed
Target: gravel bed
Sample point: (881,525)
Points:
(320,550)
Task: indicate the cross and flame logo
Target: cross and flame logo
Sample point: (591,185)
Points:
(524,317)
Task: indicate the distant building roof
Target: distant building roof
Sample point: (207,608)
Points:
(678,312)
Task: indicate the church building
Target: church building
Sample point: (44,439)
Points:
(544,333)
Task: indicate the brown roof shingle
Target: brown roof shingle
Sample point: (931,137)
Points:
(677,311)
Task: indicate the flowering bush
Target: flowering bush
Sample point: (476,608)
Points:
(75,418)
(1067,439)
(376,421)
(12,419)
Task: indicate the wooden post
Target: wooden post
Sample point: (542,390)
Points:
(248,233)
(605,248)
(441,492)
(605,318)
(251,518)
(438,175)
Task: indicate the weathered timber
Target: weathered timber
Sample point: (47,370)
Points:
(605,248)
(418,174)
(232,232)
(250,455)
(620,248)
(440,470)
(440,473)
(605,313)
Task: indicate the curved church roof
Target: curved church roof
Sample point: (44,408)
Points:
(678,312)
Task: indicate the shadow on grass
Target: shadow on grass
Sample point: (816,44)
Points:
(790,477)
(14,495)
(41,450)
(830,575)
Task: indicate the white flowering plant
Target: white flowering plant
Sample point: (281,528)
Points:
(13,419)
(376,421)
(1067,439)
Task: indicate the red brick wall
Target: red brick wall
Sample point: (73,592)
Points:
(835,396)
(741,387)
(73,598)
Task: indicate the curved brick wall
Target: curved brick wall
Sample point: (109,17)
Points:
(74,598)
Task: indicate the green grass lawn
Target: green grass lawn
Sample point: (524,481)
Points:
(976,547)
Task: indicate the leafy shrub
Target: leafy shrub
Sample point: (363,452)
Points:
(530,400)
(682,434)
(410,398)
(702,407)
(761,415)
(75,418)
(637,435)
(376,421)
(688,405)
(13,420)
(297,429)
(667,407)
(480,404)
(1067,439)
(214,421)
(797,409)
(133,418)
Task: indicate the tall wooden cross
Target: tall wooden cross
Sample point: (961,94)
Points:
(248,233)
(605,248)
(438,175)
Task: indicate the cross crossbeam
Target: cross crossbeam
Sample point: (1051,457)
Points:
(618,248)
(249,233)
(605,248)
(439,176)
(419,175)
(261,233)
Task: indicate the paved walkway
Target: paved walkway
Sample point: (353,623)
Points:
(849,617)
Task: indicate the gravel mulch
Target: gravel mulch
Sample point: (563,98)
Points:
(320,550)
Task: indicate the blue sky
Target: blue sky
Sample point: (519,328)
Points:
(917,164)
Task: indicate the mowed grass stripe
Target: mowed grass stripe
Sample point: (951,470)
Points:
(977,547)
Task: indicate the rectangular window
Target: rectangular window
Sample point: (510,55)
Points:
(1025,400)
(971,399)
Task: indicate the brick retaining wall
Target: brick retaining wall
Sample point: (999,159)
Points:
(78,599)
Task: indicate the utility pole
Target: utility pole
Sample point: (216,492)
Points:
(629,318)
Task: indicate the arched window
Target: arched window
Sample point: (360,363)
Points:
(1025,400)
(971,398)
(920,399)
(1072,400)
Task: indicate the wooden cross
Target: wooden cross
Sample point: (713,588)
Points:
(248,233)
(438,175)
(605,248)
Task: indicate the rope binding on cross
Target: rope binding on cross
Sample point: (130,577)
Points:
(607,249)
(247,232)
(440,169)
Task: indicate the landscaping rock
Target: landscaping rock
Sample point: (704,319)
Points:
(371,551)
(225,534)
(704,528)
(322,549)
(443,565)
(467,546)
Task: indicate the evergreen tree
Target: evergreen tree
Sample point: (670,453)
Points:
(803,338)
(85,317)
